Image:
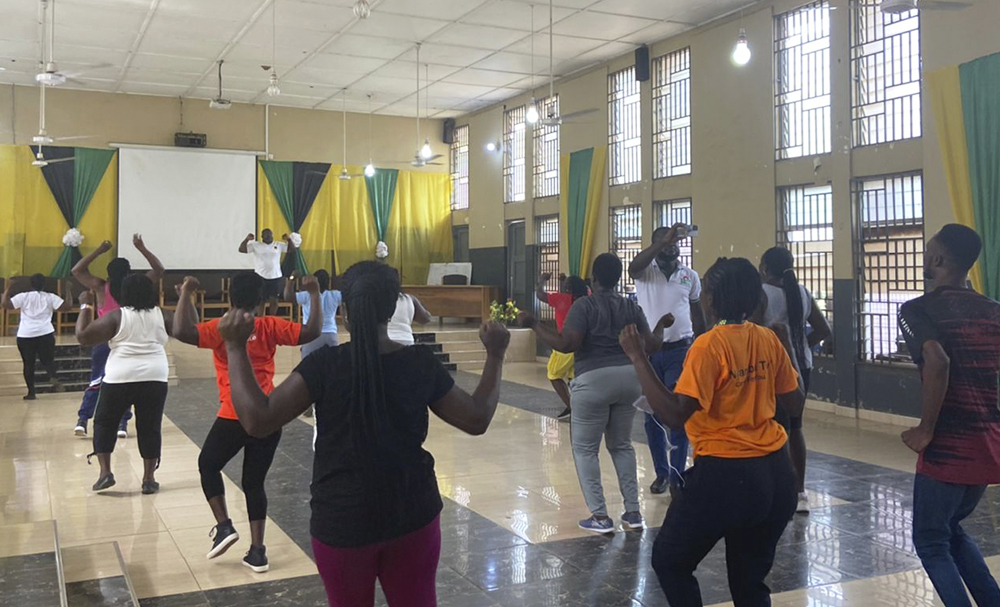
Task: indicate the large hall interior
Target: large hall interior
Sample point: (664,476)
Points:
(404,197)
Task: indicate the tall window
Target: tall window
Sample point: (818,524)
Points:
(548,257)
(802,81)
(805,227)
(672,114)
(513,155)
(885,67)
(626,240)
(546,150)
(624,132)
(670,212)
(889,249)
(460,169)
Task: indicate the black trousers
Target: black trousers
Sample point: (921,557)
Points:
(223,442)
(746,501)
(148,397)
(42,348)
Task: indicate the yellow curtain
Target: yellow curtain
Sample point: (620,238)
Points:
(352,225)
(11,221)
(419,231)
(944,89)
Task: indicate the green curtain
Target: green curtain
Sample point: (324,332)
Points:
(280,175)
(381,191)
(89,167)
(576,206)
(980,83)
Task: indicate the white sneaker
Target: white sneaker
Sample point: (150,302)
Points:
(122,433)
(803,507)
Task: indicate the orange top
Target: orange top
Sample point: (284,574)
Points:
(735,372)
(268,333)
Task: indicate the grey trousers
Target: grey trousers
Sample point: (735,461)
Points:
(602,406)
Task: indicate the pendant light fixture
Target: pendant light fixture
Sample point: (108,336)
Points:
(425,151)
(531,116)
(362,9)
(370,167)
(741,51)
(272,87)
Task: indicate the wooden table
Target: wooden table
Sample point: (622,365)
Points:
(455,301)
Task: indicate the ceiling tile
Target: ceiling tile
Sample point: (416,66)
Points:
(18,28)
(345,63)
(186,47)
(25,50)
(200,28)
(511,62)
(478,36)
(236,10)
(656,32)
(499,94)
(398,26)
(563,47)
(106,37)
(515,15)
(483,77)
(261,55)
(298,39)
(446,54)
(168,62)
(408,69)
(148,88)
(368,46)
(451,89)
(601,25)
(164,77)
(427,8)
(661,9)
(329,78)
(322,16)
(381,84)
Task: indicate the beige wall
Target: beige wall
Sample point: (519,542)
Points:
(295,134)
(734,172)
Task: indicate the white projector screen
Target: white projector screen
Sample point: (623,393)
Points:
(192,207)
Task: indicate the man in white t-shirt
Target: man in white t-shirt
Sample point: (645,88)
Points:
(36,337)
(665,286)
(267,264)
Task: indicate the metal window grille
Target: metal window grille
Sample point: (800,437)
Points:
(672,114)
(670,212)
(460,169)
(885,66)
(626,240)
(805,227)
(624,132)
(513,155)
(546,151)
(802,82)
(548,258)
(889,249)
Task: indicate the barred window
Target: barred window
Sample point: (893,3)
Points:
(513,155)
(889,249)
(459,162)
(885,67)
(626,240)
(546,150)
(802,81)
(670,212)
(805,227)
(672,114)
(548,258)
(624,132)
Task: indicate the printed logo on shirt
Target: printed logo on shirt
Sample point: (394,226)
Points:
(685,280)
(756,372)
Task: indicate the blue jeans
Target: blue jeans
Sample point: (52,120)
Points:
(947,553)
(668,365)
(98,359)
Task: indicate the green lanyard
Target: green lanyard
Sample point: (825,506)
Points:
(723,323)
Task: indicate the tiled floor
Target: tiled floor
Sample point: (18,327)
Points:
(509,526)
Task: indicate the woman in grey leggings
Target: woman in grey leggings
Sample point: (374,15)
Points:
(605,388)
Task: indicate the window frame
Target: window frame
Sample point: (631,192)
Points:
(668,212)
(458,165)
(624,143)
(514,126)
(545,151)
(671,111)
(547,230)
(632,244)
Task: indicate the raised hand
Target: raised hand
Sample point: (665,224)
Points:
(310,284)
(250,237)
(495,338)
(137,242)
(545,277)
(286,237)
(86,298)
(666,321)
(236,326)
(190,284)
(105,246)
(526,320)
(631,342)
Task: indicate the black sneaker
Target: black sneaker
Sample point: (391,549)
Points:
(105,482)
(659,486)
(565,415)
(225,536)
(30,396)
(150,487)
(256,559)
(81,427)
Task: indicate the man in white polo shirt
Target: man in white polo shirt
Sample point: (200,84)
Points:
(267,265)
(665,286)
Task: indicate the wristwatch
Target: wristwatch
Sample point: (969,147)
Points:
(84,307)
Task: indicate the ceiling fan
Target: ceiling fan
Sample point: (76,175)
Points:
(895,7)
(553,118)
(424,155)
(48,73)
(220,103)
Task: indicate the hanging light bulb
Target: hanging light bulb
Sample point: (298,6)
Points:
(362,9)
(425,151)
(741,52)
(532,114)
(369,169)
(272,88)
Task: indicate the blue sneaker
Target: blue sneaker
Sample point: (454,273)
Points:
(632,520)
(598,525)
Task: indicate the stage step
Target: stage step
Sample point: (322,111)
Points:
(113,589)
(32,574)
(458,350)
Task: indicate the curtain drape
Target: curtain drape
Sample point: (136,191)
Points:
(59,177)
(278,174)
(89,167)
(582,176)
(307,179)
(381,193)
(419,231)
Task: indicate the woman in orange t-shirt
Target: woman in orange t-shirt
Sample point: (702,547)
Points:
(741,487)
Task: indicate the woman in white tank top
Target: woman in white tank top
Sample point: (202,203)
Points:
(135,374)
(409,310)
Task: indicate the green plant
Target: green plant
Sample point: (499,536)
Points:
(505,313)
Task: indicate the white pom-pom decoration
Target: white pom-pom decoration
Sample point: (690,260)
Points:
(296,239)
(73,238)
(381,250)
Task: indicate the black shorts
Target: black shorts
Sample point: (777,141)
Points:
(272,288)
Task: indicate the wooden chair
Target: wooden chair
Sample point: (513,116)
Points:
(66,321)
(455,279)
(214,296)
(168,291)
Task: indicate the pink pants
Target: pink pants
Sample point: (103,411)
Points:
(405,567)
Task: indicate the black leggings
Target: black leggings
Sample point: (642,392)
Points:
(115,399)
(223,442)
(42,347)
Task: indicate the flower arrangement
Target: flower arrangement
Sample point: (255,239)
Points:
(72,238)
(505,313)
(296,239)
(381,250)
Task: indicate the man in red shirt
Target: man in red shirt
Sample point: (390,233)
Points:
(560,369)
(227,437)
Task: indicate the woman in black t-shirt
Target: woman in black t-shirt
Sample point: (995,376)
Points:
(375,501)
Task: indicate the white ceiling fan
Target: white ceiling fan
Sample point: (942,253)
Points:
(48,73)
(553,118)
(220,102)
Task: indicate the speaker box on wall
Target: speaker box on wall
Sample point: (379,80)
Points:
(642,63)
(448,136)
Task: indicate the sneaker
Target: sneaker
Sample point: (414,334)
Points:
(565,415)
(659,486)
(150,487)
(225,536)
(803,507)
(81,427)
(598,525)
(632,520)
(123,430)
(30,396)
(256,559)
(105,482)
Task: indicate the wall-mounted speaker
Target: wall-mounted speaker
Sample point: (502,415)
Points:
(642,63)
(448,136)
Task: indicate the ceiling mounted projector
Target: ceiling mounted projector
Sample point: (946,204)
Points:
(220,104)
